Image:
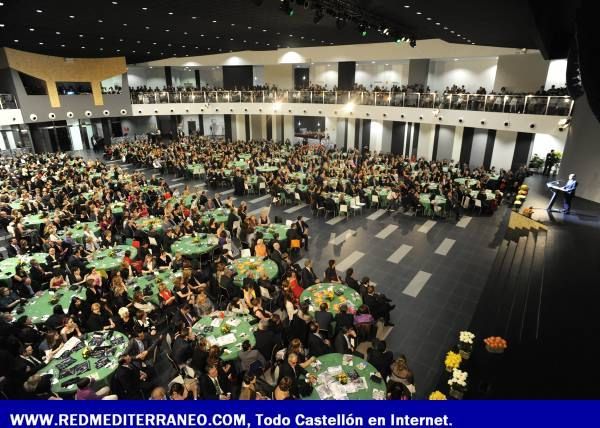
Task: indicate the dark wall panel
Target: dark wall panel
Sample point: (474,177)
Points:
(467,143)
(228,131)
(301,78)
(366,134)
(168,76)
(357,123)
(398,134)
(415,139)
(269,127)
(200,125)
(197,76)
(346,75)
(436,137)
(522,149)
(346,134)
(247,126)
(489,148)
(236,77)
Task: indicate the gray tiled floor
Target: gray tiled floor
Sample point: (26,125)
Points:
(427,326)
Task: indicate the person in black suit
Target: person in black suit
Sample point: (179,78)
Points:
(183,346)
(291,369)
(551,159)
(379,305)
(380,357)
(129,382)
(138,347)
(317,345)
(308,275)
(277,257)
(266,339)
(26,364)
(345,341)
(324,318)
(343,319)
(231,218)
(13,249)
(216,201)
(214,386)
(228,284)
(183,317)
(302,229)
(350,281)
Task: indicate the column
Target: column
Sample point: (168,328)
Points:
(426,141)
(418,70)
(375,135)
(386,136)
(168,76)
(2,143)
(74,131)
(331,124)
(457,144)
(288,128)
(504,149)
(197,76)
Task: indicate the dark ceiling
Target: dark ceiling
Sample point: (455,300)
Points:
(144,30)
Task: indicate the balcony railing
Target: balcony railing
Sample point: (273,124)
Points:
(8,101)
(527,104)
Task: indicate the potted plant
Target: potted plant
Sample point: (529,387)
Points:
(458,384)
(536,162)
(465,344)
(495,344)
(452,361)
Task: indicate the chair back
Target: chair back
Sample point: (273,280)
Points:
(246,252)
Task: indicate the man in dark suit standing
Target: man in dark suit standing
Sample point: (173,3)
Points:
(551,160)
(324,318)
(308,275)
(266,339)
(569,190)
(343,319)
(302,229)
(214,386)
(13,248)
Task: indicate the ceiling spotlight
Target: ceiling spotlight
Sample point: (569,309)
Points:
(287,8)
(386,31)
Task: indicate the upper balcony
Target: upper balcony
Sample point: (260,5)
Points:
(8,102)
(496,103)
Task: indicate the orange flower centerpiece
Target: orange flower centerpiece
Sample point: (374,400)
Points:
(495,344)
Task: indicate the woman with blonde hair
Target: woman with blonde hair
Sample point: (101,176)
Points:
(260,249)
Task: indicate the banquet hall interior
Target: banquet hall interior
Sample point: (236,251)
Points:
(306,200)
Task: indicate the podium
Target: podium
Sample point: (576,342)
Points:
(556,188)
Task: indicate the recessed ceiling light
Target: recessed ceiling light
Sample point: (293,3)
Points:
(291,35)
(217,37)
(201,35)
(1,4)
(372,62)
(83,47)
(445,28)
(115,2)
(147,27)
(214,22)
(249,28)
(81,35)
(194,17)
(458,35)
(169,45)
(419,13)
(124,24)
(264,31)
(170,13)
(32,29)
(101,49)
(1,25)
(429,19)
(144,8)
(100,21)
(472,43)
(15,40)
(101,37)
(72,16)
(138,42)
(387,64)
(452,31)
(118,50)
(40,43)
(231,39)
(437,23)
(406,6)
(63,46)
(39,11)
(58,33)
(154,43)
(121,40)
(167,30)
(232,24)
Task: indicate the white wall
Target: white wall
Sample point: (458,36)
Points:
(258,73)
(472,73)
(112,82)
(138,125)
(386,136)
(211,76)
(426,138)
(281,76)
(376,136)
(189,118)
(324,75)
(543,143)
(504,149)
(351,132)
(75,133)
(386,76)
(288,128)
(557,73)
(2,143)
(217,121)
(238,125)
(331,128)
(521,72)
(184,78)
(457,144)
(151,77)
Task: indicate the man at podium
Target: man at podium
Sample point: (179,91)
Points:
(568,191)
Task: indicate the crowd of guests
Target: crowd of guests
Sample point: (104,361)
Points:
(289,337)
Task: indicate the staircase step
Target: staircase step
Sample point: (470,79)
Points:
(530,322)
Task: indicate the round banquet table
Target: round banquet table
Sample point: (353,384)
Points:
(220,215)
(77,232)
(334,295)
(424,200)
(8,267)
(255,265)
(149,223)
(194,246)
(117,345)
(104,260)
(39,308)
(142,282)
(244,156)
(268,231)
(466,181)
(238,326)
(298,176)
(238,164)
(33,220)
(363,388)
(117,207)
(267,168)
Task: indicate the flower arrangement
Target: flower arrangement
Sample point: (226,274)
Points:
(225,329)
(458,383)
(465,344)
(329,295)
(342,378)
(112,253)
(495,344)
(85,353)
(452,361)
(437,396)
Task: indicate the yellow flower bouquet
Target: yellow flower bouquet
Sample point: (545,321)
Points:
(437,396)
(452,361)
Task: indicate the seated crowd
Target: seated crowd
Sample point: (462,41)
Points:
(164,357)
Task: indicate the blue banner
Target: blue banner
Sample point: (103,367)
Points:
(256,414)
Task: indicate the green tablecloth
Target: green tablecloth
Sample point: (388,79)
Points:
(192,246)
(39,308)
(382,192)
(489,195)
(332,364)
(253,264)
(424,200)
(291,188)
(151,188)
(166,277)
(8,266)
(326,293)
(117,207)
(149,223)
(77,232)
(298,176)
(196,168)
(466,181)
(244,156)
(269,230)
(33,220)
(103,260)
(186,201)
(267,168)
(118,344)
(238,327)
(336,198)
(220,215)
(238,164)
